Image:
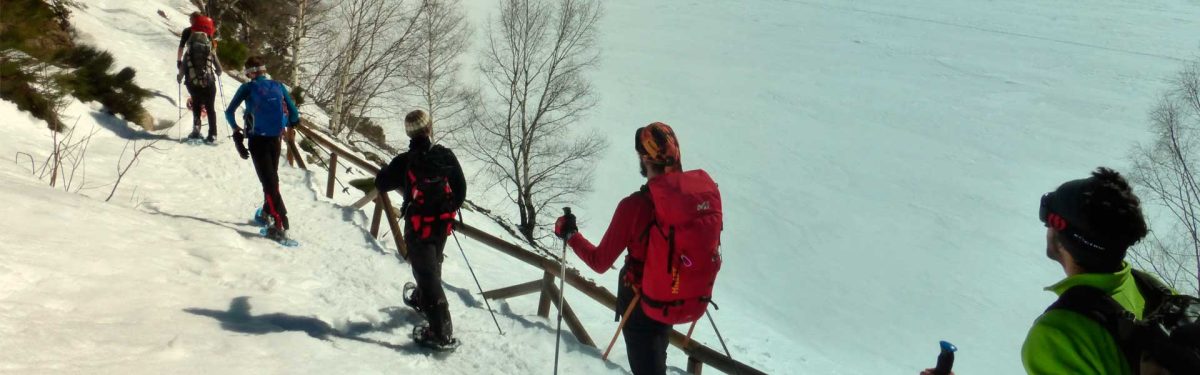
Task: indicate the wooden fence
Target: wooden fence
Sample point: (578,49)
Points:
(546,285)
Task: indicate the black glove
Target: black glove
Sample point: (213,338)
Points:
(237,142)
(565,226)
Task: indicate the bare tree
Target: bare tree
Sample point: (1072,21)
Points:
(309,14)
(1166,169)
(135,148)
(441,36)
(359,63)
(535,90)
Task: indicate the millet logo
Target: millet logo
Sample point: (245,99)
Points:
(703,206)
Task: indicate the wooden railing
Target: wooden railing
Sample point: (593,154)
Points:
(697,353)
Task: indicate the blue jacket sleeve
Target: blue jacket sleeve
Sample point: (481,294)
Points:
(231,109)
(293,112)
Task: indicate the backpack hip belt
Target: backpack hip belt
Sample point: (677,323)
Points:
(423,225)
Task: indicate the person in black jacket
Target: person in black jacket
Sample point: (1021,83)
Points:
(431,181)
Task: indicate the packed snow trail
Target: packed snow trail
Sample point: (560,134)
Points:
(181,282)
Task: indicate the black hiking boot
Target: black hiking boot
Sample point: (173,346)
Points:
(423,335)
(277,234)
(211,139)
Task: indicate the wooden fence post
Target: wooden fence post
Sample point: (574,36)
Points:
(394,224)
(332,174)
(544,303)
(293,150)
(694,365)
(568,315)
(375,218)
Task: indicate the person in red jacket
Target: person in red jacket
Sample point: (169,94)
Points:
(646,339)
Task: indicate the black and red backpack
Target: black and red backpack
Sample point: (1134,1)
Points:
(429,194)
(1168,334)
(683,254)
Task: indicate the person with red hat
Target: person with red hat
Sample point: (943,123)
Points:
(199,70)
(197,22)
(639,225)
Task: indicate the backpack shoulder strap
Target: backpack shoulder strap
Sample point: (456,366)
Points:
(644,193)
(1101,308)
(1153,290)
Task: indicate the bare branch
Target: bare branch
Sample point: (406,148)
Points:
(523,127)
(1166,171)
(133,160)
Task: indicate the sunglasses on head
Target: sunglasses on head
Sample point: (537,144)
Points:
(1054,220)
(1048,217)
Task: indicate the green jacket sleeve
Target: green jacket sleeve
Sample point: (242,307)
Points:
(1064,342)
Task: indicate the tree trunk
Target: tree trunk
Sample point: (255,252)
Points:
(297,37)
(339,105)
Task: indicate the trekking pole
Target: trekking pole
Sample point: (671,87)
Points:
(485,300)
(687,340)
(719,337)
(945,360)
(219,103)
(561,294)
(624,318)
(178,109)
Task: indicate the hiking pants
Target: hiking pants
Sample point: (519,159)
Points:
(425,256)
(204,97)
(646,339)
(264,151)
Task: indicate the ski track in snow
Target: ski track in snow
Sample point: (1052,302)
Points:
(880,163)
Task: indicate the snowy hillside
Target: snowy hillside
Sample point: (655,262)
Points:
(170,276)
(880,164)
(881,161)
(180,286)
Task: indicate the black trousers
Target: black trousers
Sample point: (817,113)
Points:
(204,97)
(646,339)
(425,256)
(264,151)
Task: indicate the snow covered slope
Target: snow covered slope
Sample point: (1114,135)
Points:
(170,276)
(90,287)
(880,163)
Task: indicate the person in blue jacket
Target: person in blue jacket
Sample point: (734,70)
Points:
(270,113)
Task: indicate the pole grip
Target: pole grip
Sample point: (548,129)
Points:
(945,360)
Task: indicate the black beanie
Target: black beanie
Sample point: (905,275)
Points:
(1096,219)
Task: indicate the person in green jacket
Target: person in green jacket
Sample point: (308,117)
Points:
(1090,224)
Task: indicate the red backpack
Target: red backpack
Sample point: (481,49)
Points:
(205,25)
(683,255)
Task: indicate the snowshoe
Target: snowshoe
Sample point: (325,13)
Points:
(260,217)
(194,138)
(423,336)
(278,235)
(411,297)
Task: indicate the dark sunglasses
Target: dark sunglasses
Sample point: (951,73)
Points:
(1046,215)
(1052,219)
